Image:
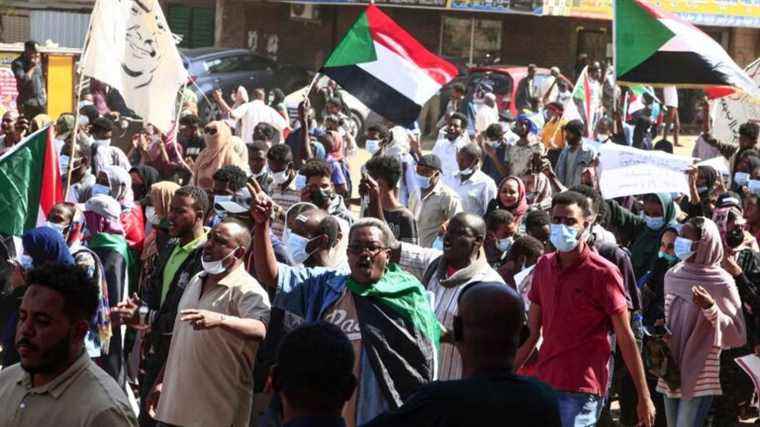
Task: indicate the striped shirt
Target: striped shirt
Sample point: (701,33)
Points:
(416,260)
(708,381)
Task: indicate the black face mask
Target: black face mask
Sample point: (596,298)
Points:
(321,197)
(734,237)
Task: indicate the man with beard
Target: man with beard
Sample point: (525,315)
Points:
(450,140)
(575,155)
(56,382)
(384,311)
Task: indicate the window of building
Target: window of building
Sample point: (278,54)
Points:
(472,40)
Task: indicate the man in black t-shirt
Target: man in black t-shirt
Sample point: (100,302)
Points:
(486,332)
(188,137)
(382,188)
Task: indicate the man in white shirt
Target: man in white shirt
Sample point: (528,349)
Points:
(475,188)
(487,113)
(672,122)
(450,140)
(252,113)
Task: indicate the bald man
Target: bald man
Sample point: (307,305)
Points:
(446,273)
(486,332)
(223,315)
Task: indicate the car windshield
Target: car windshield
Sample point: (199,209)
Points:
(501,83)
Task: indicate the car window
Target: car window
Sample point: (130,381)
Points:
(227,64)
(254,63)
(501,84)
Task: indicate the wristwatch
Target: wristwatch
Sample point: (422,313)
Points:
(142,314)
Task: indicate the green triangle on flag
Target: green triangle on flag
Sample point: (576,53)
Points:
(638,35)
(357,46)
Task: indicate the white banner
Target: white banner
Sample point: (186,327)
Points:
(132,50)
(627,171)
(730,112)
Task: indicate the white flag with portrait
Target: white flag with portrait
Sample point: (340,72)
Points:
(131,49)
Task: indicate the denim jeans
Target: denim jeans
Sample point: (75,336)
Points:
(579,409)
(687,413)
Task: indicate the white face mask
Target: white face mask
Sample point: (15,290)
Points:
(504,245)
(102,141)
(150,215)
(373,146)
(215,267)
(279,178)
(219,199)
(300,182)
(297,247)
(55,226)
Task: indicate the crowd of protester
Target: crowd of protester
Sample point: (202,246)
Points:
(233,273)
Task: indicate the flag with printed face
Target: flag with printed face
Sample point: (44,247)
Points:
(131,49)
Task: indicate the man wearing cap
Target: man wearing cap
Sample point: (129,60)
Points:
(27,69)
(175,265)
(575,156)
(64,126)
(518,156)
(102,152)
(437,203)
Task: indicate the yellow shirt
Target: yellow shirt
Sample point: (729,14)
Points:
(552,135)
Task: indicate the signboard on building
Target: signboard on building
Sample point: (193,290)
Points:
(739,13)
(534,7)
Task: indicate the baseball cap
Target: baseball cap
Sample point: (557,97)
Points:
(65,125)
(729,199)
(239,204)
(431,161)
(103,123)
(574,126)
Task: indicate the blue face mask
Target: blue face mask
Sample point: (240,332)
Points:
(654,222)
(741,178)
(670,258)
(563,238)
(504,245)
(438,243)
(683,248)
(422,181)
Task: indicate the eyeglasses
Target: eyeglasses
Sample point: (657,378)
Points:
(360,249)
(209,131)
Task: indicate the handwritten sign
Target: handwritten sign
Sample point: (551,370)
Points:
(627,171)
(732,111)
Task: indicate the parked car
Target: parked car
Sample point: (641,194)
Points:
(503,78)
(226,69)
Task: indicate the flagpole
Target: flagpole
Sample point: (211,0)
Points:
(78,99)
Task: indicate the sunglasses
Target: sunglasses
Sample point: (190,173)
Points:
(209,131)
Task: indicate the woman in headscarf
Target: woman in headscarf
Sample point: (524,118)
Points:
(511,197)
(643,232)
(276,100)
(220,151)
(703,312)
(101,217)
(143,177)
(160,195)
(42,245)
(239,97)
(132,218)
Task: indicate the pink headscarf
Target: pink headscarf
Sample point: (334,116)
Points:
(694,335)
(518,209)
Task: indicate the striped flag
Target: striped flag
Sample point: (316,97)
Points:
(30,183)
(661,49)
(383,66)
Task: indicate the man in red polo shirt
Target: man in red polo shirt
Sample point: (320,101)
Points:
(577,302)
